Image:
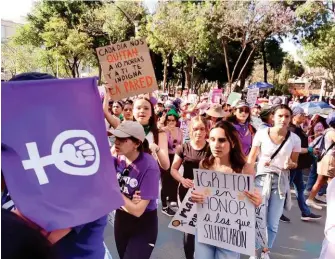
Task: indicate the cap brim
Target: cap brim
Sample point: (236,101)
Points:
(119,133)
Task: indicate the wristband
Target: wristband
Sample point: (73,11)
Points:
(310,150)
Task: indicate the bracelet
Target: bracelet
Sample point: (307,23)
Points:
(310,150)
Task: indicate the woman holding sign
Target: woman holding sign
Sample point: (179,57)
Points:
(225,155)
(189,156)
(277,150)
(136,223)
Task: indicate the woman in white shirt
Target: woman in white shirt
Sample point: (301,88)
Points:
(273,168)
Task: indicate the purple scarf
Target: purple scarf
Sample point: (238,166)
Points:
(246,139)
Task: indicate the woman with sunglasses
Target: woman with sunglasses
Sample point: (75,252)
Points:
(277,150)
(169,184)
(136,223)
(241,121)
(225,155)
(189,156)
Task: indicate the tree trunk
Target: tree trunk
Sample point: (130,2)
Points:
(227,67)
(100,73)
(265,69)
(165,72)
(182,77)
(188,71)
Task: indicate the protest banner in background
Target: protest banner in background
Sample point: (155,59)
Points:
(216,95)
(233,98)
(185,218)
(261,225)
(252,96)
(56,162)
(227,218)
(127,68)
(192,98)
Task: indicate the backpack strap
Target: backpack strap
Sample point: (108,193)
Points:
(281,145)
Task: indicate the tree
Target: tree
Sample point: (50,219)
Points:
(248,23)
(321,52)
(290,69)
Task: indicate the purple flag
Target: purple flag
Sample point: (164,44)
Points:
(55,153)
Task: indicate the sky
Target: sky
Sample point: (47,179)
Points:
(15,10)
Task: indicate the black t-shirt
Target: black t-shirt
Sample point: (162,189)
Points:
(304,160)
(191,158)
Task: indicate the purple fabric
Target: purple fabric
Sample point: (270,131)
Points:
(246,139)
(144,175)
(55,153)
(153,100)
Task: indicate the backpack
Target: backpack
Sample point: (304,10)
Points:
(319,143)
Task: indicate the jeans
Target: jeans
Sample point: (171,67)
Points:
(205,251)
(296,177)
(275,207)
(312,179)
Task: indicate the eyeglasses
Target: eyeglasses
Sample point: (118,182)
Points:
(174,143)
(243,109)
(122,140)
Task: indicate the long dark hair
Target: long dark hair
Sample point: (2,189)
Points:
(281,106)
(236,155)
(152,120)
(315,121)
(143,146)
(234,120)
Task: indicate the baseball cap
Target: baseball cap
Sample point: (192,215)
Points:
(297,111)
(241,104)
(129,129)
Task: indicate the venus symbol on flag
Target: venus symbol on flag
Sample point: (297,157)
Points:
(83,154)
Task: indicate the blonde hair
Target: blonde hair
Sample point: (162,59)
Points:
(201,119)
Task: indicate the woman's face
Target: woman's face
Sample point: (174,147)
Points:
(242,114)
(171,121)
(198,131)
(116,109)
(282,118)
(214,119)
(218,142)
(142,111)
(128,112)
(255,112)
(228,110)
(125,146)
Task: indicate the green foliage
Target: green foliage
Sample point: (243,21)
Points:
(290,69)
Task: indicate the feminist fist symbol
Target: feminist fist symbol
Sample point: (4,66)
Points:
(80,159)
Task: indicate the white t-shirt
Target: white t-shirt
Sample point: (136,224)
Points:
(268,148)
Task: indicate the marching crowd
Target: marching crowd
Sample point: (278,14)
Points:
(156,144)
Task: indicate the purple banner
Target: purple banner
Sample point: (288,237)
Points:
(55,154)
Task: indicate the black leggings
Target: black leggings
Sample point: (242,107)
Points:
(169,185)
(188,238)
(135,238)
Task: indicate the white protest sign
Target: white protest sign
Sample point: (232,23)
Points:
(127,68)
(186,217)
(227,218)
(192,98)
(233,98)
(261,225)
(252,96)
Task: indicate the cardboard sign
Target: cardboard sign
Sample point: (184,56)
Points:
(186,217)
(233,98)
(51,163)
(227,218)
(261,225)
(127,68)
(252,96)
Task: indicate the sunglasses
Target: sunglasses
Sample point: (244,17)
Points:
(228,110)
(174,143)
(244,109)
